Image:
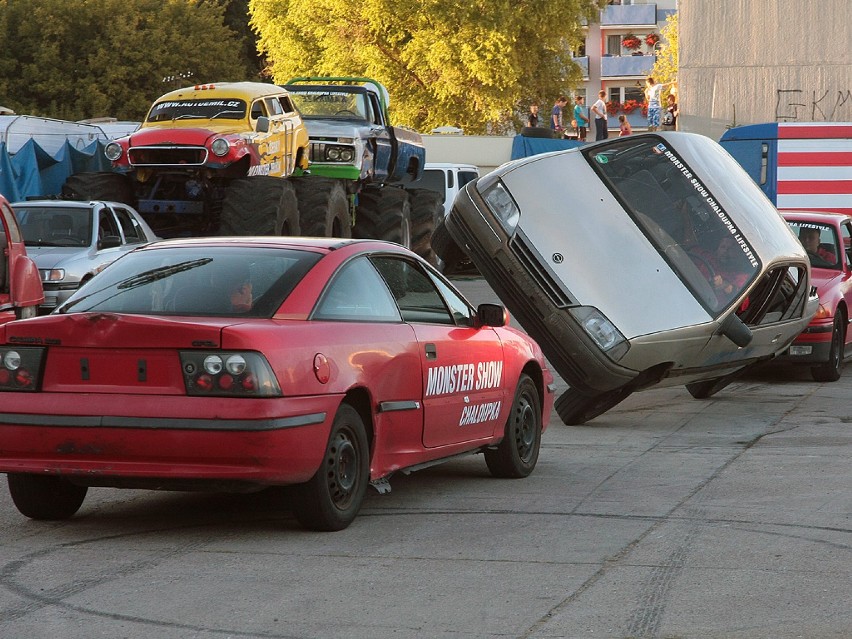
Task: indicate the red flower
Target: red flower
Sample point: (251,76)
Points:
(630,41)
(651,39)
(613,107)
(630,106)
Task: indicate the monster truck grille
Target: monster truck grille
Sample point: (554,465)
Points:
(167,155)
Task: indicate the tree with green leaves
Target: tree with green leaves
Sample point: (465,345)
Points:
(474,65)
(665,68)
(76,59)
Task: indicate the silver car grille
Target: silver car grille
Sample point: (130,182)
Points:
(531,262)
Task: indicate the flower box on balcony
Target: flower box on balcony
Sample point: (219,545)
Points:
(630,41)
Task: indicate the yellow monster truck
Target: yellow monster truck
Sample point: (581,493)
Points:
(212,159)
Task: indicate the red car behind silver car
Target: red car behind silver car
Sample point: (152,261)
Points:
(823,345)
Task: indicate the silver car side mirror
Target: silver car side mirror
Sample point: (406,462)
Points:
(735,330)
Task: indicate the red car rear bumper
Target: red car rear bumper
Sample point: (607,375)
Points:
(270,441)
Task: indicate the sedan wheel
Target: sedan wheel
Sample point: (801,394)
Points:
(517,454)
(45,497)
(333,496)
(831,370)
(575,407)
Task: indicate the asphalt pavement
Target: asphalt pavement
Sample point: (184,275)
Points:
(667,517)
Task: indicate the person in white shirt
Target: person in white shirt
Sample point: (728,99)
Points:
(653,91)
(599,111)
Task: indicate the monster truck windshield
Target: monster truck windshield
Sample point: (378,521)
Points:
(316,103)
(197,109)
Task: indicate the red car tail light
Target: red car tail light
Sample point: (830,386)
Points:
(20,368)
(228,374)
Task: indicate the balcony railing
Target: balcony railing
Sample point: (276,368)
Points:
(630,15)
(583,63)
(627,65)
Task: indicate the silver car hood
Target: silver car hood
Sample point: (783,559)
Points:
(56,256)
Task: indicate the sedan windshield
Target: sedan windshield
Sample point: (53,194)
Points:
(207,109)
(206,281)
(820,242)
(330,104)
(55,226)
(679,215)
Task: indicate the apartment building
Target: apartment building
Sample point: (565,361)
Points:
(620,52)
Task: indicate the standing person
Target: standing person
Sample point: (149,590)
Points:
(556,116)
(532,117)
(624,127)
(670,116)
(599,111)
(653,92)
(581,118)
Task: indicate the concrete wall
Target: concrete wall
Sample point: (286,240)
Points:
(751,61)
(484,151)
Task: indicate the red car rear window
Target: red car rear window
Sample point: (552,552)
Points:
(222,281)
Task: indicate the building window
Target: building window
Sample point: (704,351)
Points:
(625,94)
(634,93)
(613,45)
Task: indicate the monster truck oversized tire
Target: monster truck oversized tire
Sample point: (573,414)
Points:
(260,205)
(106,185)
(384,214)
(427,209)
(323,207)
(537,132)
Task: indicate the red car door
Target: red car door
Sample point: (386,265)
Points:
(20,282)
(461,365)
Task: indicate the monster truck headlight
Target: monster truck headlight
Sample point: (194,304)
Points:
(336,153)
(220,147)
(112,151)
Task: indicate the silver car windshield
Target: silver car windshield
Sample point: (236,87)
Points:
(680,217)
(54,225)
(205,281)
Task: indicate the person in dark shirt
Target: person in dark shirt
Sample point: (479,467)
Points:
(533,117)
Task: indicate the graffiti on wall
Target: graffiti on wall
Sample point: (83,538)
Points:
(793,105)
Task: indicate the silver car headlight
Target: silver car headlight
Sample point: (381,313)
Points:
(503,206)
(603,332)
(52,274)
(112,151)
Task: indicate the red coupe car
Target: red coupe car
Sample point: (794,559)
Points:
(823,345)
(242,363)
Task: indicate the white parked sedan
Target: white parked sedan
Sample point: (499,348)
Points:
(71,241)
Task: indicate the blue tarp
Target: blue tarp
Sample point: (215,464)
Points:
(32,172)
(523,147)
